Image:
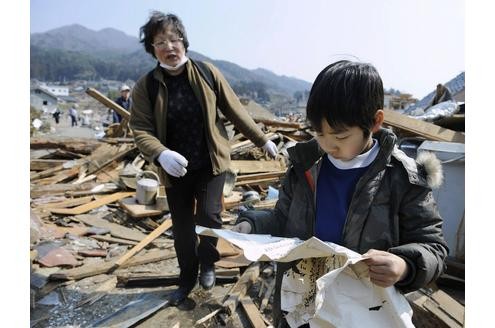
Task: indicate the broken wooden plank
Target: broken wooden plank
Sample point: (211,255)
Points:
(207,317)
(249,167)
(282,124)
(48,172)
(427,130)
(240,288)
(101,160)
(92,205)
(136,210)
(93,269)
(111,172)
(148,281)
(448,305)
(116,230)
(117,140)
(76,145)
(62,176)
(45,164)
(108,102)
(252,312)
(62,154)
(435,309)
(71,202)
(247,178)
(59,189)
(167,224)
(114,240)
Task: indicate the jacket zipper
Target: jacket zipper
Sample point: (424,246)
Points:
(204,111)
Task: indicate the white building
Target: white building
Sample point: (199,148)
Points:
(57,90)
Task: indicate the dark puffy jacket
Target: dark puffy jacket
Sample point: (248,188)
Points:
(392,209)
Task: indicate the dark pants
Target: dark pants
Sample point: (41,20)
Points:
(200,185)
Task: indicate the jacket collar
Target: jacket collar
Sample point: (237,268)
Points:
(305,155)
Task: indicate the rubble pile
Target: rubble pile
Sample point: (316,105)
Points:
(99,258)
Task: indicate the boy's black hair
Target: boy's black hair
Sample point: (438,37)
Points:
(346,94)
(157,23)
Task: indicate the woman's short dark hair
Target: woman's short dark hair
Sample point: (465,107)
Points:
(157,23)
(346,94)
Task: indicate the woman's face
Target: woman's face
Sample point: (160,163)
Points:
(169,48)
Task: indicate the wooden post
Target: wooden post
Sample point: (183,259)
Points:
(143,243)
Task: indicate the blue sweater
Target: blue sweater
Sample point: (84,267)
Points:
(334,192)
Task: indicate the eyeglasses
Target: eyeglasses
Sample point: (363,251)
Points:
(163,44)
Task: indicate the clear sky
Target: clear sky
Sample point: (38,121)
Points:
(413,44)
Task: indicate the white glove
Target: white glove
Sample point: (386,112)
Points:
(243,227)
(271,148)
(173,163)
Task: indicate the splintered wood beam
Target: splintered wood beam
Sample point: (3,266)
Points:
(167,224)
(114,240)
(249,177)
(76,145)
(45,164)
(241,287)
(262,178)
(427,130)
(59,189)
(247,166)
(252,312)
(71,202)
(146,280)
(108,103)
(94,269)
(92,205)
(61,176)
(281,124)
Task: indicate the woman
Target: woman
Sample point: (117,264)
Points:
(180,131)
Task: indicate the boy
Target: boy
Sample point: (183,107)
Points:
(352,186)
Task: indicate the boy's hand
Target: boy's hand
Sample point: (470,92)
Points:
(385,268)
(243,227)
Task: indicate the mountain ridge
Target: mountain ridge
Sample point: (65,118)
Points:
(111,54)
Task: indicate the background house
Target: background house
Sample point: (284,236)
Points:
(57,90)
(43,99)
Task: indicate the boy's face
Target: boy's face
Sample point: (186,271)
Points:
(343,144)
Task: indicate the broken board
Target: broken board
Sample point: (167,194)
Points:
(136,210)
(427,130)
(92,205)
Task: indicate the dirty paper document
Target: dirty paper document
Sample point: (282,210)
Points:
(329,286)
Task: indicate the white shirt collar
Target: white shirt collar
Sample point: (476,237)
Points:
(361,160)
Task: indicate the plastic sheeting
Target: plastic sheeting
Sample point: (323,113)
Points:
(436,112)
